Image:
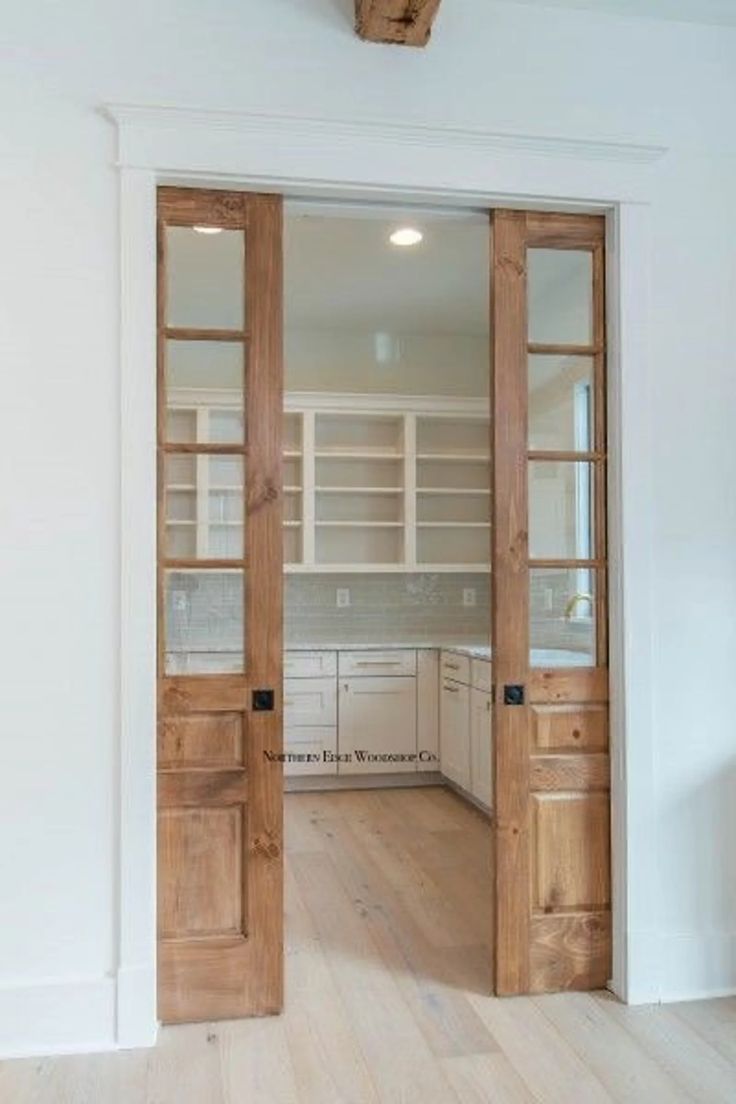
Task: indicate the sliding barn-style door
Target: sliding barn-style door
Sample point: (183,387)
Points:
(553,896)
(219,593)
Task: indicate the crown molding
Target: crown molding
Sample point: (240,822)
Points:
(133,118)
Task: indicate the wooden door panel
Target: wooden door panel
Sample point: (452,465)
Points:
(570,727)
(201,886)
(570,846)
(201,740)
(220,784)
(552,771)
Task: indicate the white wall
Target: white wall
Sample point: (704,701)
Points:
(492,66)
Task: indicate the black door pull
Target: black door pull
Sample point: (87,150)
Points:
(513,694)
(263,701)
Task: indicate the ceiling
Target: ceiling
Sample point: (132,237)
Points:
(718,12)
(342,273)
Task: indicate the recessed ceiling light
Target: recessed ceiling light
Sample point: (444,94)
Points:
(406,235)
(208,229)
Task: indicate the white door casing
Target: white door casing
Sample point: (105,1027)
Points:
(416,164)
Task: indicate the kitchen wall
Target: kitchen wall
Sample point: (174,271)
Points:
(519,68)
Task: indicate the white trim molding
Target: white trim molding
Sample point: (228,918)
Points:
(392,163)
(365,157)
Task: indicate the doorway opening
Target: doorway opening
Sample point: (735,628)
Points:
(387,693)
(444,543)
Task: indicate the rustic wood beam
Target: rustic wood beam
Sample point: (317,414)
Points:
(401,22)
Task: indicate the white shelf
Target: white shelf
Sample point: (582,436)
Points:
(359,524)
(453,525)
(357,454)
(455,457)
(453,490)
(359,490)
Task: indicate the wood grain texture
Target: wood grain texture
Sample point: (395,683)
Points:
(219,795)
(564,773)
(570,952)
(571,849)
(200,740)
(570,727)
(510,597)
(397,22)
(559,685)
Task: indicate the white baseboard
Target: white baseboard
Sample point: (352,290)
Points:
(59,1016)
(664,969)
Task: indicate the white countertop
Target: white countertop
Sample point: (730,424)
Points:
(541,657)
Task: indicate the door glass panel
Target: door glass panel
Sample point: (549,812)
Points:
(203,501)
(204,621)
(205,278)
(562,617)
(560,285)
(560,510)
(214,367)
(561,403)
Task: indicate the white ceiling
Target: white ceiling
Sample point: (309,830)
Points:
(342,273)
(718,12)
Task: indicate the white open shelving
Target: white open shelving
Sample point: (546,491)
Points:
(371,484)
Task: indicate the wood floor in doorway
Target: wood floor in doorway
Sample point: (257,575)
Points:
(388,967)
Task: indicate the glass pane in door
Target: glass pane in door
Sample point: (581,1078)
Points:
(204,392)
(561,403)
(560,290)
(203,621)
(203,505)
(561,506)
(562,617)
(205,278)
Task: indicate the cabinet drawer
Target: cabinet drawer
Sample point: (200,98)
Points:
(309,664)
(395,662)
(310,701)
(318,744)
(480,675)
(455,667)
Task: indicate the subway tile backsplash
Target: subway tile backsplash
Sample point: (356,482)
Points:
(412,608)
(204,608)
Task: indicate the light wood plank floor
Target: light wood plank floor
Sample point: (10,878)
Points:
(388,970)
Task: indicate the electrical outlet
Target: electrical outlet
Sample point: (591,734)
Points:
(342,596)
(469,596)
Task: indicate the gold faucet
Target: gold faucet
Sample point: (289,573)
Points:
(571,604)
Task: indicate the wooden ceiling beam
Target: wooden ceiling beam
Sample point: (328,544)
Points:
(401,22)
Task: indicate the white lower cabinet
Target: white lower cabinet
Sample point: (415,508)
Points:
(310,713)
(312,750)
(481,764)
(455,732)
(377,724)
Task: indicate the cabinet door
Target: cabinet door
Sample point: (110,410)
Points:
(309,702)
(378,717)
(316,746)
(455,732)
(481,759)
